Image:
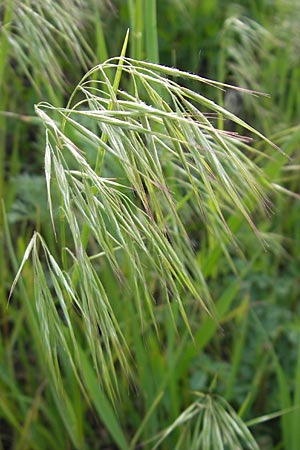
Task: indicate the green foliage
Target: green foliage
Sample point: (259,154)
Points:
(153,270)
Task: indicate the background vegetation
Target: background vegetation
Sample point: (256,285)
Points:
(158,301)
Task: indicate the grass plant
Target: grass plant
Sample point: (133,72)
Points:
(144,143)
(157,292)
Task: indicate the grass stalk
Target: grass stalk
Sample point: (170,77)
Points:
(3,137)
(151,38)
